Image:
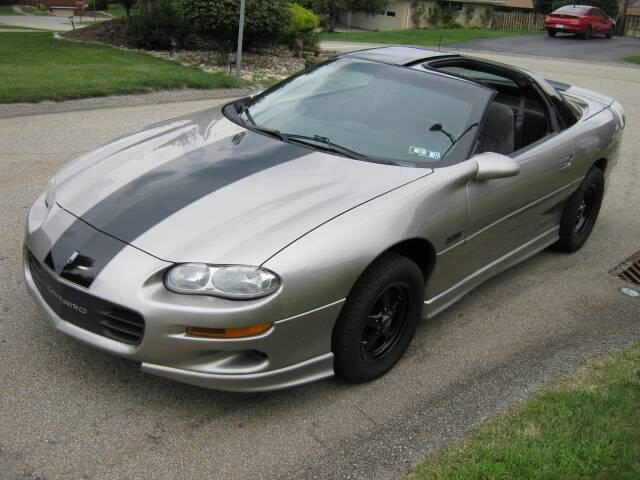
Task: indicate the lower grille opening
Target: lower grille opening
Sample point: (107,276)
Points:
(84,309)
(124,326)
(629,270)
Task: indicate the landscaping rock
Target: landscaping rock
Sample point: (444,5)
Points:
(263,64)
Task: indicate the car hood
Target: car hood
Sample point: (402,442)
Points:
(200,188)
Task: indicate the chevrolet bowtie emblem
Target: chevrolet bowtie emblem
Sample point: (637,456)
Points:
(72,257)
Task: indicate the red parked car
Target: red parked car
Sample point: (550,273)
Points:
(580,20)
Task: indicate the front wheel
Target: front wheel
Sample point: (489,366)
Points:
(609,34)
(379,318)
(551,33)
(581,211)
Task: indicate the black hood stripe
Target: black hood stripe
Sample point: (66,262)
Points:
(149,199)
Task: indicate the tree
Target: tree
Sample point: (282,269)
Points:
(127,4)
(331,9)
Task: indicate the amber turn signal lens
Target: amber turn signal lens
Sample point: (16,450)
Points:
(228,332)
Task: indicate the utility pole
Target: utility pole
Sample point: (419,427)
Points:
(240,35)
(623,17)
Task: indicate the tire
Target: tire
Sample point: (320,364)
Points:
(361,351)
(610,33)
(551,33)
(581,212)
(587,33)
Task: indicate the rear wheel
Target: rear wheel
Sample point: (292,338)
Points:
(587,33)
(379,318)
(581,211)
(551,33)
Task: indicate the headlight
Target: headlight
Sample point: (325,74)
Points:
(49,196)
(239,282)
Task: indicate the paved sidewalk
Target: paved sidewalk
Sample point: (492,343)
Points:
(41,22)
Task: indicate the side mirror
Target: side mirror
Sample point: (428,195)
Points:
(494,165)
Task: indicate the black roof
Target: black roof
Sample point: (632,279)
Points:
(400,56)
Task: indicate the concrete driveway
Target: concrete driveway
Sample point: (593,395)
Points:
(67,411)
(596,49)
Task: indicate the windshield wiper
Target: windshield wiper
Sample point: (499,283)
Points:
(328,145)
(242,107)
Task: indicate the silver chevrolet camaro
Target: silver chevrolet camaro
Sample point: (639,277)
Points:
(304,231)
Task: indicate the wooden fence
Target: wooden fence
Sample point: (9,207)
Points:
(531,21)
(632,27)
(517,21)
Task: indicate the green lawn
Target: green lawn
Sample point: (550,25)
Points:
(7,10)
(633,59)
(4,26)
(35,67)
(586,428)
(422,37)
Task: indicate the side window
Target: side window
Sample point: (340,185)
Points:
(519,115)
(567,112)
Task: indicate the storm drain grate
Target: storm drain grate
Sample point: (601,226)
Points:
(629,270)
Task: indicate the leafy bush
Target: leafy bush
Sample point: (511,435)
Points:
(302,20)
(157,27)
(265,20)
(100,4)
(302,25)
(610,7)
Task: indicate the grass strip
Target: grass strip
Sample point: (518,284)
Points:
(588,427)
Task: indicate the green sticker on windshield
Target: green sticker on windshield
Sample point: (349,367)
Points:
(423,152)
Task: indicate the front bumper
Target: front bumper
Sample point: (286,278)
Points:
(296,350)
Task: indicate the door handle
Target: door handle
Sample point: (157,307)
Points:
(565,162)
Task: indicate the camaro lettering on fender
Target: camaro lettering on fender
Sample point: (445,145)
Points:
(66,302)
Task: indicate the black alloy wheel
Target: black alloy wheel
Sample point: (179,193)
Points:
(585,208)
(581,212)
(385,322)
(378,319)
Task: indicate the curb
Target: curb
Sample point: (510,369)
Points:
(9,110)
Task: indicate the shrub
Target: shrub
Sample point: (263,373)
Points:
(302,25)
(302,20)
(610,7)
(157,27)
(265,20)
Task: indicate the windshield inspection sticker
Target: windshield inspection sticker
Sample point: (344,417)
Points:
(423,152)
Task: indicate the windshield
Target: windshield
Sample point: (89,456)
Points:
(571,10)
(377,110)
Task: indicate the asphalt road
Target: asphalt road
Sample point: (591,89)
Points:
(67,411)
(596,49)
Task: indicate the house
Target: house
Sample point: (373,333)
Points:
(406,14)
(63,8)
